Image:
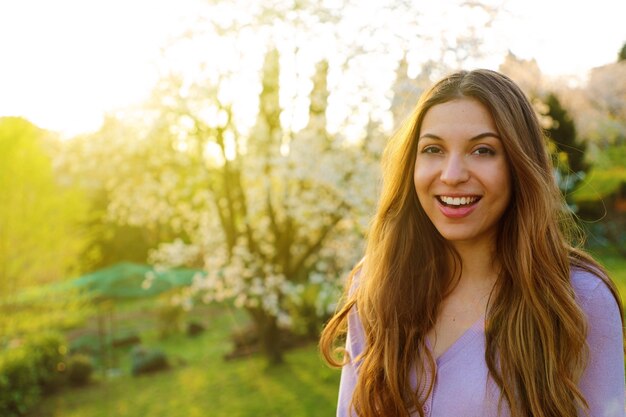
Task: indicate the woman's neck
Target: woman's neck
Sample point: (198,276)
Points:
(480,265)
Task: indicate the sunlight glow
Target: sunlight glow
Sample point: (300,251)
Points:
(67,62)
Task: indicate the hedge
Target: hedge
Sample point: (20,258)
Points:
(28,370)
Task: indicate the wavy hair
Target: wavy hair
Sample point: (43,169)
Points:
(535,330)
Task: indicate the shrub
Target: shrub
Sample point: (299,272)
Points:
(47,352)
(79,369)
(126,339)
(28,370)
(87,344)
(245,337)
(170,318)
(194,328)
(146,360)
(19,389)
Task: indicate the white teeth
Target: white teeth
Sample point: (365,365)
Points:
(458,201)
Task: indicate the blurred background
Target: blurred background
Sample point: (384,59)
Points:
(185,185)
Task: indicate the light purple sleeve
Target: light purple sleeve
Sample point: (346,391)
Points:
(602,383)
(354,345)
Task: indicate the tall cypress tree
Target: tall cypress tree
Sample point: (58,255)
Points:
(567,150)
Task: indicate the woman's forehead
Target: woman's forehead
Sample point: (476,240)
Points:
(464,116)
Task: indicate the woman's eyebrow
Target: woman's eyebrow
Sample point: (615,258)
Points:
(479,136)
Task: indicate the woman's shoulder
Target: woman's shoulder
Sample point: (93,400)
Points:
(592,292)
(355,277)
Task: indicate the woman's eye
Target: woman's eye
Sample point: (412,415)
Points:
(431,149)
(484,151)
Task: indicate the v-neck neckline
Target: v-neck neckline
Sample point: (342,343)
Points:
(475,329)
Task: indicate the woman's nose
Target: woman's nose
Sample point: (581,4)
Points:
(454,170)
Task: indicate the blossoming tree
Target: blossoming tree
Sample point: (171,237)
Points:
(275,217)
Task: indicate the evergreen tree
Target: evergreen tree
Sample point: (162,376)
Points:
(267,134)
(568,151)
(319,101)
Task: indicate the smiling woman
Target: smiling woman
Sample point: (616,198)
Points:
(471,299)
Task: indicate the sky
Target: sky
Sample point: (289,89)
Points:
(64,63)
(566,37)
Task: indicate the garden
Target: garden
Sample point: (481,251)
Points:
(198,380)
(182,259)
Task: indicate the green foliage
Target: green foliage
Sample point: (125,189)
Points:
(79,369)
(28,370)
(170,318)
(125,339)
(112,243)
(147,360)
(195,328)
(19,390)
(601,183)
(621,56)
(606,176)
(568,151)
(86,344)
(37,311)
(563,134)
(40,234)
(47,352)
(597,196)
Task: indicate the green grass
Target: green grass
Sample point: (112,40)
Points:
(203,384)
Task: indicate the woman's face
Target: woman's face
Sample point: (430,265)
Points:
(462,176)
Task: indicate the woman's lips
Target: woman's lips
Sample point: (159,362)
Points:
(456,207)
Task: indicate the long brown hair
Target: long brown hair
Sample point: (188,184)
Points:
(535,330)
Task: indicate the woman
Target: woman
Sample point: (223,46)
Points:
(471,300)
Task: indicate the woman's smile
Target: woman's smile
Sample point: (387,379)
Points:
(457,207)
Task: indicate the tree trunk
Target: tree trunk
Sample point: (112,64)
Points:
(269,337)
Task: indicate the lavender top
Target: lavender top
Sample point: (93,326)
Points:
(463,388)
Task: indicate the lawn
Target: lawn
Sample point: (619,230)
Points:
(202,383)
